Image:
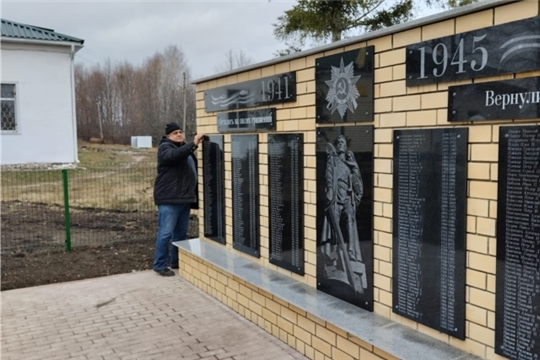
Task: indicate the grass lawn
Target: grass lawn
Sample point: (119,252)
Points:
(115,177)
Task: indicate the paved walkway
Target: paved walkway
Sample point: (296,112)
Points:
(130,316)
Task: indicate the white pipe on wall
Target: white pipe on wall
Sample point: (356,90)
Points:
(73,103)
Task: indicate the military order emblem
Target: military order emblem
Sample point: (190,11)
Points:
(343,93)
(344,86)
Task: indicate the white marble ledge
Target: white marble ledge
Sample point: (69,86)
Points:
(387,335)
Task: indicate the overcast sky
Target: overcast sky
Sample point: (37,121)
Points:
(135,30)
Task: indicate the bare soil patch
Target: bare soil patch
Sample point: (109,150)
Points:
(129,244)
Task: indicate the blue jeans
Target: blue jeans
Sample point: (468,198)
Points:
(173,221)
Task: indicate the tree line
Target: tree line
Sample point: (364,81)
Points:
(115,102)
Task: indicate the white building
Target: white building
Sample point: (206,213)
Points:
(38,121)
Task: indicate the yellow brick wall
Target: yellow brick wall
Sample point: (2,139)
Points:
(309,335)
(396,106)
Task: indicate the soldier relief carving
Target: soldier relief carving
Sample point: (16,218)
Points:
(340,242)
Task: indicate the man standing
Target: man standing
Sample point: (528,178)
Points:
(175,190)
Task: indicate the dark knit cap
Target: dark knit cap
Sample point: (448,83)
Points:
(172,126)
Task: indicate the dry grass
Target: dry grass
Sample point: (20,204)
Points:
(114,177)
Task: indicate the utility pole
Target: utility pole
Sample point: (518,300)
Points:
(98,104)
(184,91)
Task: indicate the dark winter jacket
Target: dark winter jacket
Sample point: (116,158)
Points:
(176,181)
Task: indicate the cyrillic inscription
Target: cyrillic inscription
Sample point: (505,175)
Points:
(245,193)
(496,100)
(517,322)
(286,200)
(214,189)
(429,230)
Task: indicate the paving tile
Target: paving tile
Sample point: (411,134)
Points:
(136,316)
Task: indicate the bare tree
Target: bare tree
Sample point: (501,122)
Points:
(88,94)
(120,101)
(124,88)
(233,61)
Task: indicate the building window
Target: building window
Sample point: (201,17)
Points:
(9,119)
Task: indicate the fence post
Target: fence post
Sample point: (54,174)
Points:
(67,220)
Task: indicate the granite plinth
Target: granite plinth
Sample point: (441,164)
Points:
(387,335)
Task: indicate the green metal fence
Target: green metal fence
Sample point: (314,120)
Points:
(60,209)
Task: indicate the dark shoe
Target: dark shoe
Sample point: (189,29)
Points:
(174,267)
(165,272)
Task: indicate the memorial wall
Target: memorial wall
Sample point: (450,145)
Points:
(398,171)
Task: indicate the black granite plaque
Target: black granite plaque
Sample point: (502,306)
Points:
(429,227)
(517,311)
(245,193)
(344,86)
(345,213)
(497,100)
(214,189)
(269,90)
(286,187)
(263,119)
(508,48)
